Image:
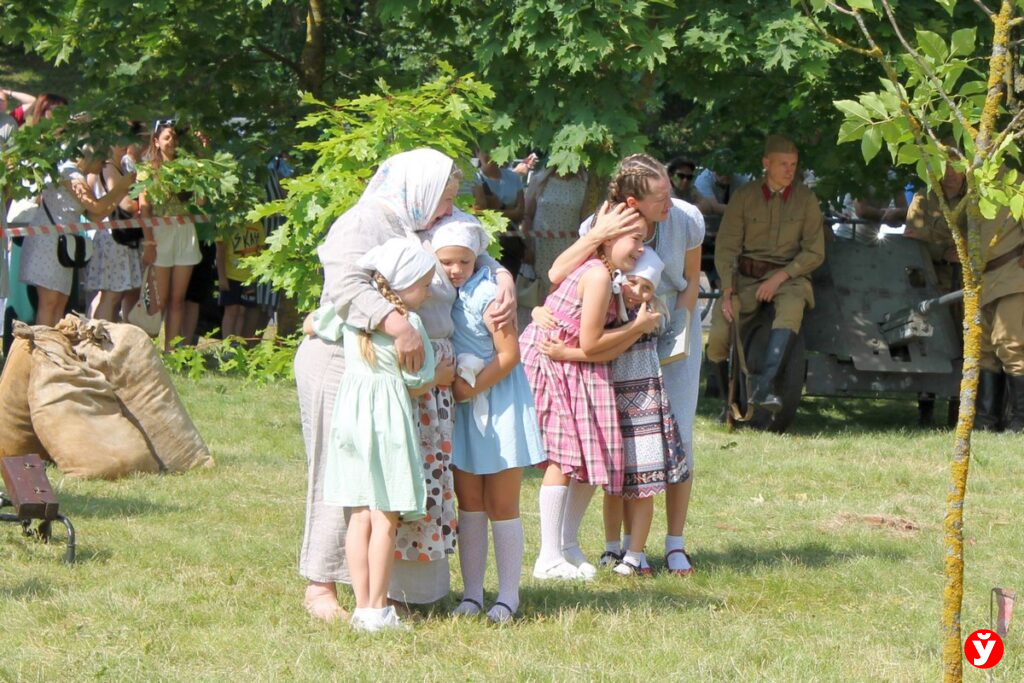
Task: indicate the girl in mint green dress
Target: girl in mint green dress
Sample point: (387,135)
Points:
(374,467)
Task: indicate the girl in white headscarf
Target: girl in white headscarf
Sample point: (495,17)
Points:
(376,479)
(407,195)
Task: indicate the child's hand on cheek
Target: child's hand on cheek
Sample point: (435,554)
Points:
(648,319)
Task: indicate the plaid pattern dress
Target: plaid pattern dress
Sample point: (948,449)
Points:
(576,407)
(654,455)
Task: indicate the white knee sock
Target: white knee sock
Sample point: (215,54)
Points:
(575,507)
(473,553)
(552,512)
(508,555)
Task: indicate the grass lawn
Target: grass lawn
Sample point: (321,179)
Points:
(193,577)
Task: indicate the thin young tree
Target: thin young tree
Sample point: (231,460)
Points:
(943,103)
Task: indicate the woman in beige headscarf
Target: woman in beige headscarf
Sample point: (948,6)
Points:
(407,195)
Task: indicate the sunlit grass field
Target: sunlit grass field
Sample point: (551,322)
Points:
(819,558)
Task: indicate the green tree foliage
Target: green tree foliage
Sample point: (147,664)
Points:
(943,101)
(353,137)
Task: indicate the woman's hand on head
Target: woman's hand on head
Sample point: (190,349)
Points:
(503,309)
(614,221)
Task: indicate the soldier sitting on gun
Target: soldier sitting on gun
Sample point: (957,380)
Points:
(773,230)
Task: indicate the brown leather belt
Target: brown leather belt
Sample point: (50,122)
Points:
(751,267)
(1000,261)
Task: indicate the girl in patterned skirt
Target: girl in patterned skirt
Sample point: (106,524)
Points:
(576,403)
(654,454)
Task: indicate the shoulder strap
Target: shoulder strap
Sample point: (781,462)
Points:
(48,214)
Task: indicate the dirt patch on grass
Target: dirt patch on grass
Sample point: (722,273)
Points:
(898,525)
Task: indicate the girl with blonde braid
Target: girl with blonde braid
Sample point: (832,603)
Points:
(373,466)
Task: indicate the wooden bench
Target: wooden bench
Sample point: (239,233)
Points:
(30,494)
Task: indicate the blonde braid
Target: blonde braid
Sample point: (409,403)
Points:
(365,340)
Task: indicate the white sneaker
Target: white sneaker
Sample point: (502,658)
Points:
(390,621)
(365,621)
(559,570)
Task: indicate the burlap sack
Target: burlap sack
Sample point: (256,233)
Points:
(76,414)
(127,358)
(16,434)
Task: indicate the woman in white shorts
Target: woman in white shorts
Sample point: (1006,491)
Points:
(63,201)
(171,250)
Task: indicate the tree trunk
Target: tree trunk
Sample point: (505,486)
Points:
(313,61)
(953,525)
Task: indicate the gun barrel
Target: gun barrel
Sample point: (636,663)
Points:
(944,300)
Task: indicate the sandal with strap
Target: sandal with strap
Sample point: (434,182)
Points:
(471,609)
(496,616)
(609,559)
(680,572)
(626,568)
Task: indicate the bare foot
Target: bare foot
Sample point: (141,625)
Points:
(321,602)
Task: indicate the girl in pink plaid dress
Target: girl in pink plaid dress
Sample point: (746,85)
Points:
(575,401)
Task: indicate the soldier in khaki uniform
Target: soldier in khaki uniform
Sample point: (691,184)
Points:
(773,230)
(926,223)
(1002,321)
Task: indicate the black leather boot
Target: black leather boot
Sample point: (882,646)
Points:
(988,406)
(1016,421)
(765,395)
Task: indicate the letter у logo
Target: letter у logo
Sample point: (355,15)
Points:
(983,649)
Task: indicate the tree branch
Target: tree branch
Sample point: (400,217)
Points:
(278,57)
(932,78)
(835,40)
(985,9)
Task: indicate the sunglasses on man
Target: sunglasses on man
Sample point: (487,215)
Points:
(683,176)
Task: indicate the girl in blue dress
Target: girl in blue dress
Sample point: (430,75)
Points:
(496,433)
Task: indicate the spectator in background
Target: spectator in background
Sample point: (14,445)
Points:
(43,107)
(23,109)
(172,250)
(241,314)
(501,189)
(7,123)
(681,172)
(554,209)
(115,270)
(278,169)
(715,187)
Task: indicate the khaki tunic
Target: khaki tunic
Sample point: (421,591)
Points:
(926,223)
(786,230)
(1002,299)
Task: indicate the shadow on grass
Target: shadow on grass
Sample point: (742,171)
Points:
(27,589)
(745,558)
(824,416)
(76,506)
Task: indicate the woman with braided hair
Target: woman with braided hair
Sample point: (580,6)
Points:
(674,229)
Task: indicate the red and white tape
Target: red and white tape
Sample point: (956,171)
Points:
(71,228)
(554,234)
